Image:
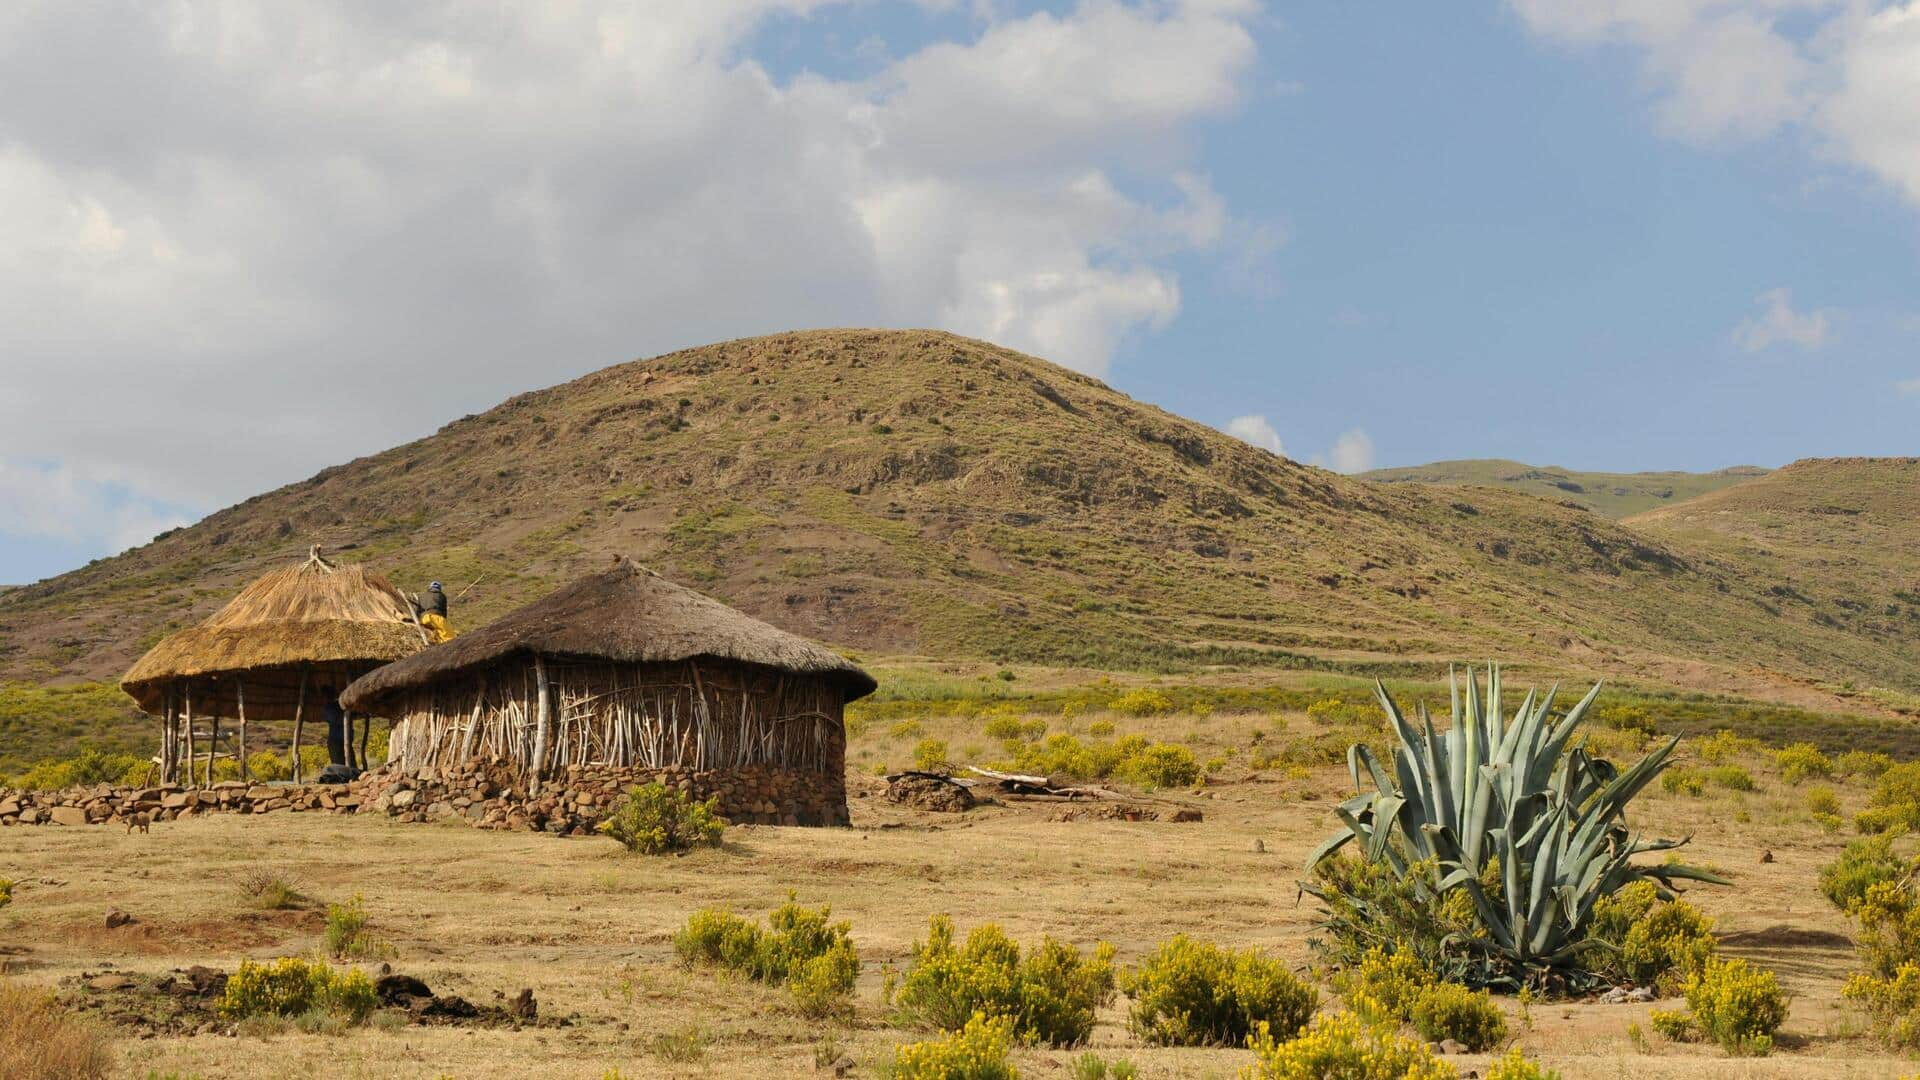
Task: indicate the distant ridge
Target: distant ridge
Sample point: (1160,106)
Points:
(1615,495)
(914,492)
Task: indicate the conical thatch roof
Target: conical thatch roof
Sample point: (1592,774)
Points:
(334,621)
(628,615)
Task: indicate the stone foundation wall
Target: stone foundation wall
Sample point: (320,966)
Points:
(484,794)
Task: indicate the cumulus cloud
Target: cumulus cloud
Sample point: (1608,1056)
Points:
(312,230)
(46,500)
(1352,452)
(1256,431)
(1844,74)
(1779,324)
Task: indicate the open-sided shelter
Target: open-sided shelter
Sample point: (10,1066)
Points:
(266,655)
(628,670)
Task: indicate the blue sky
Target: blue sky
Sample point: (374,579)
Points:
(1614,234)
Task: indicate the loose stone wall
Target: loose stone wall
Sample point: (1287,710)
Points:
(484,794)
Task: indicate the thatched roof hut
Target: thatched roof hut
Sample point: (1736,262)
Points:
(267,652)
(627,670)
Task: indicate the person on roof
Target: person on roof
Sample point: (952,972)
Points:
(433,614)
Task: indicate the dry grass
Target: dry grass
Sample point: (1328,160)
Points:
(589,929)
(41,1041)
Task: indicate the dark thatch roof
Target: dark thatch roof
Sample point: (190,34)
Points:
(628,615)
(333,621)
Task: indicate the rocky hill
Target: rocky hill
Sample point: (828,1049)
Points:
(917,492)
(1614,495)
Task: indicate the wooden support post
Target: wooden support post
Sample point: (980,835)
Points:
(346,735)
(192,779)
(213,745)
(166,739)
(299,705)
(541,708)
(240,691)
(366,724)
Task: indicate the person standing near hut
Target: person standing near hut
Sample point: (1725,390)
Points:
(433,613)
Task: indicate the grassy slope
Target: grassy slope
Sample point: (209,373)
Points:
(916,492)
(1614,495)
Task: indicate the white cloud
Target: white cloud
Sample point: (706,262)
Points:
(1352,452)
(1779,324)
(1909,387)
(1845,74)
(40,500)
(314,230)
(1256,431)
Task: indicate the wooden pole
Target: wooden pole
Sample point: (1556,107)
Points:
(299,706)
(366,724)
(346,735)
(541,708)
(213,744)
(166,739)
(192,779)
(240,692)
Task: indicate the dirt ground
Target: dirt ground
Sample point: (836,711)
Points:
(588,929)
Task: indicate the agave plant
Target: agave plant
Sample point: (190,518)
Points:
(1509,790)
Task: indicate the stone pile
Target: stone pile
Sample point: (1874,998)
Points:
(485,794)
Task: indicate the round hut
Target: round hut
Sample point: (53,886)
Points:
(628,671)
(265,657)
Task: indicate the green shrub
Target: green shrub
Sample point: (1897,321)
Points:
(1892,1003)
(1091,1066)
(90,766)
(1895,802)
(1681,780)
(1384,985)
(1823,802)
(1101,729)
(1731,777)
(905,729)
(1161,765)
(1888,937)
(1050,995)
(930,754)
(977,1051)
(1451,1011)
(1868,763)
(1626,718)
(6,891)
(800,949)
(1724,744)
(1737,1006)
(271,892)
(291,987)
(654,819)
(1802,761)
(1864,863)
(1638,939)
(1191,993)
(1343,1046)
(1004,726)
(1142,703)
(347,935)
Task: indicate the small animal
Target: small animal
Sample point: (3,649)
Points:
(141,821)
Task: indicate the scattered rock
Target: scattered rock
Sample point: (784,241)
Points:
(109,982)
(1452,1046)
(68,815)
(929,791)
(400,989)
(1622,995)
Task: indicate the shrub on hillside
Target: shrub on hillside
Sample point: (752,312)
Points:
(654,819)
(88,767)
(1868,763)
(1888,937)
(930,755)
(1192,993)
(1451,1011)
(799,949)
(1626,718)
(1737,1006)
(1050,994)
(1384,985)
(1895,802)
(1891,1003)
(977,1051)
(1160,765)
(1823,802)
(1516,1066)
(1142,703)
(347,935)
(1802,761)
(1005,726)
(1862,864)
(1342,1045)
(1724,744)
(1637,939)
(292,986)
(1682,780)
(1731,777)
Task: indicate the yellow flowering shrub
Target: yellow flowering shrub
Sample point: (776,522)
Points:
(1384,985)
(1515,1066)
(1736,1005)
(1050,994)
(1193,993)
(978,1051)
(1451,1011)
(1892,1003)
(292,986)
(1345,1046)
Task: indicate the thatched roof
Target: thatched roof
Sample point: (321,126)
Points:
(628,615)
(336,622)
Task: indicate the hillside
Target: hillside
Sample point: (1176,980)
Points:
(1614,495)
(920,493)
